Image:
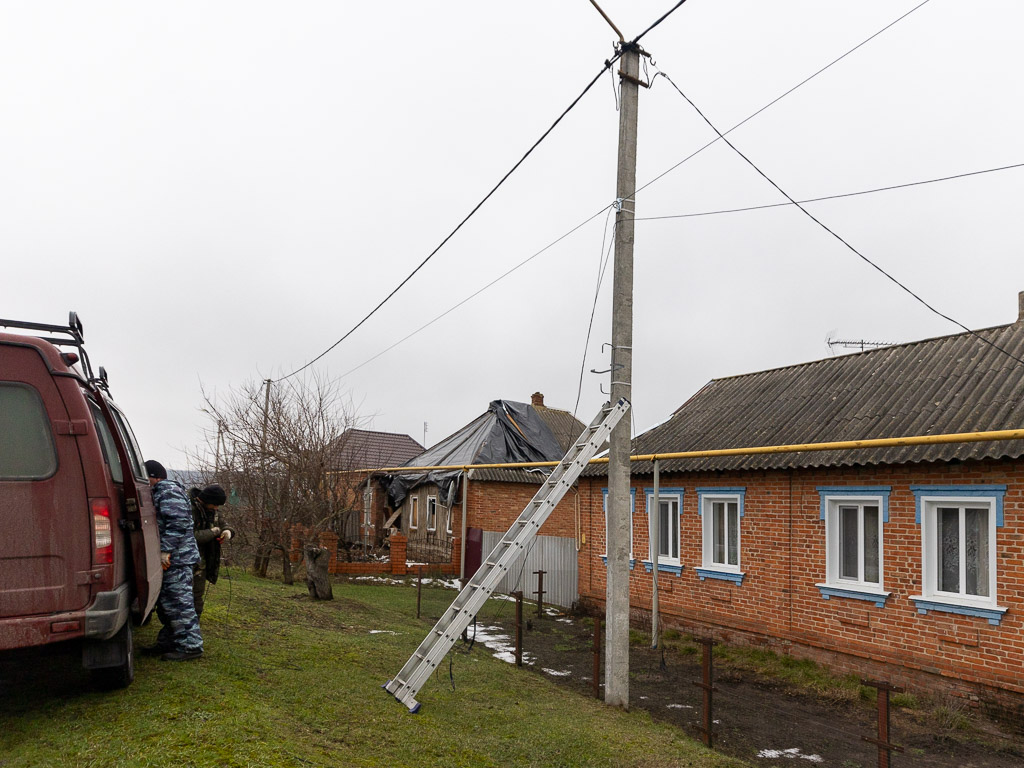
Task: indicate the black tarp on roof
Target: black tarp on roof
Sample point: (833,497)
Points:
(507,432)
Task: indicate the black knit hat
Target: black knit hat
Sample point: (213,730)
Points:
(156,469)
(213,494)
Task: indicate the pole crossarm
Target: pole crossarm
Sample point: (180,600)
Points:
(837,445)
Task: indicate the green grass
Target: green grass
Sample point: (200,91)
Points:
(289,682)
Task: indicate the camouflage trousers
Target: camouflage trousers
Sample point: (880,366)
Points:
(177,611)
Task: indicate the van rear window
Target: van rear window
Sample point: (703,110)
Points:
(27,451)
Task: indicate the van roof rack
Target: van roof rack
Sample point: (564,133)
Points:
(73,336)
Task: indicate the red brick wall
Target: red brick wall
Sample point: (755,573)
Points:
(783,558)
(495,506)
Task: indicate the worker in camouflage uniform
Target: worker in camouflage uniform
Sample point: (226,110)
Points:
(179,638)
(210,530)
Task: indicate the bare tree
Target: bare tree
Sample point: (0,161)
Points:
(274,444)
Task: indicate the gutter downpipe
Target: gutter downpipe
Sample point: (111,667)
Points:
(465,502)
(654,522)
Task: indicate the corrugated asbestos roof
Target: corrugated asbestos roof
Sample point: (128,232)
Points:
(943,385)
(363,449)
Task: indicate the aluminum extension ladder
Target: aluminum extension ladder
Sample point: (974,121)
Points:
(464,608)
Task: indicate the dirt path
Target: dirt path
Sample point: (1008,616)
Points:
(764,721)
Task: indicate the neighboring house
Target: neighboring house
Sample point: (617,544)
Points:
(903,564)
(362,449)
(427,506)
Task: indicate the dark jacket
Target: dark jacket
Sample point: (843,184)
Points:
(206,540)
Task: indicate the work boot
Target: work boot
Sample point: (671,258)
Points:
(182,655)
(154,650)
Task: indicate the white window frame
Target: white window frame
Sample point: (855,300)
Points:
(414,512)
(929,541)
(833,541)
(431,513)
(672,495)
(632,511)
(708,498)
(448,515)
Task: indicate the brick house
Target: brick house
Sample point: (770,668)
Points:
(903,564)
(426,507)
(360,449)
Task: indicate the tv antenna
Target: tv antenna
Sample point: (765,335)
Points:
(862,344)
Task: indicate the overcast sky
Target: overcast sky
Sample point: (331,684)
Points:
(223,189)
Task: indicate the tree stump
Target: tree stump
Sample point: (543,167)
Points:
(318,580)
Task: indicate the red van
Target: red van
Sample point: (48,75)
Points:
(79,546)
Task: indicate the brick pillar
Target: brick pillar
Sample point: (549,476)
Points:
(398,548)
(456,555)
(329,541)
(296,552)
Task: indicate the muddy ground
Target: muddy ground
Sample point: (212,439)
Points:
(768,722)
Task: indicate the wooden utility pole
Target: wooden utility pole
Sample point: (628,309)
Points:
(616,691)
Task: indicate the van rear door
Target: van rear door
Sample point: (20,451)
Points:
(45,524)
(139,514)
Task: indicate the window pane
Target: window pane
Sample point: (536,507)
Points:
(948,519)
(718,532)
(848,554)
(107,443)
(665,528)
(26,443)
(734,533)
(976,551)
(871,548)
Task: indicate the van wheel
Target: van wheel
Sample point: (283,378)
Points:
(121,674)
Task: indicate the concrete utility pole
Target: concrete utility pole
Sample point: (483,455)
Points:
(616,671)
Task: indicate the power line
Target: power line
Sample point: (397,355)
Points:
(832,197)
(476,293)
(607,65)
(780,98)
(832,232)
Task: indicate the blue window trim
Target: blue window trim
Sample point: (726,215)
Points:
(878,598)
(649,494)
(828,491)
(648,497)
(632,561)
(991,491)
(632,511)
(707,573)
(666,567)
(994,615)
(702,492)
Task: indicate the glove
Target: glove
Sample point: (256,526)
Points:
(165,560)
(226,536)
(215,531)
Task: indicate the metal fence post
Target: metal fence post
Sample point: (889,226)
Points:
(706,683)
(884,746)
(519,627)
(540,591)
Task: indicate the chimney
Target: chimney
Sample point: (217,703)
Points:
(1020,307)
(537,398)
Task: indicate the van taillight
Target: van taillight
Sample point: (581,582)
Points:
(101,529)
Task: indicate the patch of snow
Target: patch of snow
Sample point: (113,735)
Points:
(378,580)
(382,632)
(501,644)
(565,621)
(790,754)
(556,673)
(679,706)
(446,583)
